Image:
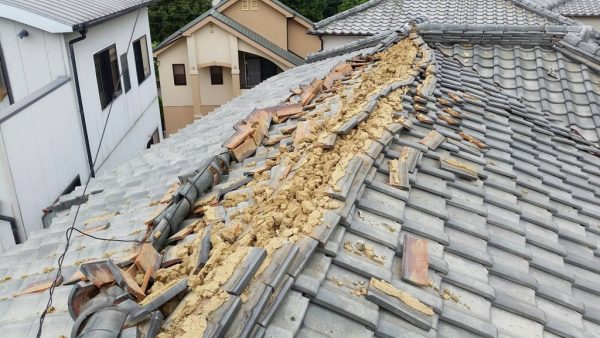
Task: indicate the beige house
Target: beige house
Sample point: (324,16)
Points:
(232,47)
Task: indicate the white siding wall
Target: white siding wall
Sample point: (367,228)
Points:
(42,145)
(334,41)
(129,107)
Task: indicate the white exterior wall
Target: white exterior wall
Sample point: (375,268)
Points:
(42,147)
(128,108)
(334,41)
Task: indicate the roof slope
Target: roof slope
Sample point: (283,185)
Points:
(377,16)
(69,12)
(572,7)
(401,163)
(245,31)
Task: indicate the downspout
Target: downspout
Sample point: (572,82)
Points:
(82,29)
(13,226)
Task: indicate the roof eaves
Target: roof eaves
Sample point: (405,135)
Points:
(287,55)
(97,21)
(34,19)
(171,38)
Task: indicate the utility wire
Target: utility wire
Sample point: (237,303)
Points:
(69,231)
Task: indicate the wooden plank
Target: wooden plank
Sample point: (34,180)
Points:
(432,140)
(98,273)
(148,260)
(331,78)
(39,286)
(131,286)
(415,260)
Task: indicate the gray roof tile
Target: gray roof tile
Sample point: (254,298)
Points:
(509,259)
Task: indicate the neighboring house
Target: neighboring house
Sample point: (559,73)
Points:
(560,81)
(60,64)
(585,11)
(232,47)
(488,227)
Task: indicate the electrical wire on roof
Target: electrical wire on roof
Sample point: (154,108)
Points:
(109,239)
(69,231)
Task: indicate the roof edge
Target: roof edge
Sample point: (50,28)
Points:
(34,20)
(346,13)
(105,18)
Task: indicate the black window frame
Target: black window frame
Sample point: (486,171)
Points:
(126,76)
(179,76)
(4,78)
(138,51)
(216,77)
(106,94)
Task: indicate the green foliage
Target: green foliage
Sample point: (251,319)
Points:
(167,16)
(347,4)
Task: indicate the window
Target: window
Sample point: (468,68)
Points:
(126,77)
(179,75)
(255,69)
(107,75)
(249,5)
(216,75)
(142,62)
(4,86)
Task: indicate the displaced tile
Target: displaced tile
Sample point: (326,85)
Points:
(415,260)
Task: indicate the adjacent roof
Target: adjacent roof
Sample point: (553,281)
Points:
(377,16)
(574,7)
(402,163)
(63,16)
(245,31)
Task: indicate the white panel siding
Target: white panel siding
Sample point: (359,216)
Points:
(334,41)
(45,152)
(128,107)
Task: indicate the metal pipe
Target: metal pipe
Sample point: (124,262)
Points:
(82,29)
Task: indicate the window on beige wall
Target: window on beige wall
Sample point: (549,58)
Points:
(216,75)
(179,75)
(254,5)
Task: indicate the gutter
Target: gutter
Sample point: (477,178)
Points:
(82,29)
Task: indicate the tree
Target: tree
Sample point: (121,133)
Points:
(347,4)
(167,16)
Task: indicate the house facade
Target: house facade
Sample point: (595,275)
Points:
(225,51)
(61,76)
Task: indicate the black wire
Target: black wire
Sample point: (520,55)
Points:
(69,231)
(110,239)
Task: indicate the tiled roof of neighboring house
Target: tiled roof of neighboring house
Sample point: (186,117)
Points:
(550,67)
(390,190)
(377,16)
(578,8)
(68,13)
(285,54)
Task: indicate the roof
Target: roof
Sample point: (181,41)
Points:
(63,16)
(572,7)
(393,190)
(245,31)
(377,16)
